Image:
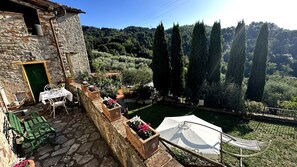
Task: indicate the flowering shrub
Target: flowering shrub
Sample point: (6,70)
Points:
(109,102)
(142,129)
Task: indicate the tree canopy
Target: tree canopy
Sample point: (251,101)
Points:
(177,63)
(160,62)
(197,60)
(256,82)
(235,67)
(138,42)
(215,54)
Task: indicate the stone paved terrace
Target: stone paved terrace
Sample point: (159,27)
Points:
(78,142)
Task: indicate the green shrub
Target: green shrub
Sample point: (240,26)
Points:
(291,105)
(108,86)
(188,159)
(279,88)
(213,95)
(232,97)
(133,76)
(253,106)
(144,92)
(83,77)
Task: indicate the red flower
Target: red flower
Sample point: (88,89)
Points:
(111,102)
(144,127)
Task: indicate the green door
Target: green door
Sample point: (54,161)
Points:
(37,78)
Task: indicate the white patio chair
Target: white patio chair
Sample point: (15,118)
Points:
(49,87)
(20,98)
(54,104)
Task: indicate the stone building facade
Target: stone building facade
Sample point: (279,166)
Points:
(40,42)
(7,156)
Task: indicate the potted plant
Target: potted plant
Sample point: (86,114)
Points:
(69,78)
(93,92)
(84,86)
(143,137)
(111,109)
(26,162)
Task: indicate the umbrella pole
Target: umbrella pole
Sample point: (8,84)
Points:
(221,148)
(240,158)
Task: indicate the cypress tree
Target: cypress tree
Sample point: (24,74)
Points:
(257,77)
(237,58)
(177,63)
(160,62)
(197,60)
(215,54)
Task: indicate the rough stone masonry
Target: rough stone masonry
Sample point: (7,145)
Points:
(18,46)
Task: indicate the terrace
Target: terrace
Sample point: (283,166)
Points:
(78,142)
(85,137)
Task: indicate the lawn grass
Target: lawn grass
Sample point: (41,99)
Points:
(282,152)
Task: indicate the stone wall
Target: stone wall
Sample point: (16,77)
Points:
(72,38)
(115,135)
(7,156)
(17,45)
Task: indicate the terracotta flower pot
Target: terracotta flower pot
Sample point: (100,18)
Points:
(147,147)
(84,88)
(112,114)
(31,163)
(94,94)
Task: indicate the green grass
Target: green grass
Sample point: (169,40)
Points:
(282,152)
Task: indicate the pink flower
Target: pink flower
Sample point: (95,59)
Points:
(144,127)
(92,87)
(111,102)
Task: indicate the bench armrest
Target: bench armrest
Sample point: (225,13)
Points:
(33,114)
(38,126)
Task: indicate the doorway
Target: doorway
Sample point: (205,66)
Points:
(37,78)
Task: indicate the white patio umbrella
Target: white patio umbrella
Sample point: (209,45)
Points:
(201,138)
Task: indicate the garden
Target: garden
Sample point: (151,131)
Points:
(282,152)
(203,77)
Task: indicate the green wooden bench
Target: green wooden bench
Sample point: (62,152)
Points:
(34,131)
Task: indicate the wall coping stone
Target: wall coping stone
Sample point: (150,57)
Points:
(11,13)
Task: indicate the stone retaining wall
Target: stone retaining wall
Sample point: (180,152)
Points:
(7,156)
(115,135)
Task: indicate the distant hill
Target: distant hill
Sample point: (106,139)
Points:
(138,42)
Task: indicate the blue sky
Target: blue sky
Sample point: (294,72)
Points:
(149,13)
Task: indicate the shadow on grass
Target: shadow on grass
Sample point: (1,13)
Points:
(154,114)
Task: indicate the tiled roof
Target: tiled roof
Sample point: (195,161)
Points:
(48,5)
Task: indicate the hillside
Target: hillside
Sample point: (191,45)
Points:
(138,41)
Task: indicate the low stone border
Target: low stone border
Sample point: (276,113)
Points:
(258,116)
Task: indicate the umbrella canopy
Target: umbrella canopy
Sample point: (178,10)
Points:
(192,136)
